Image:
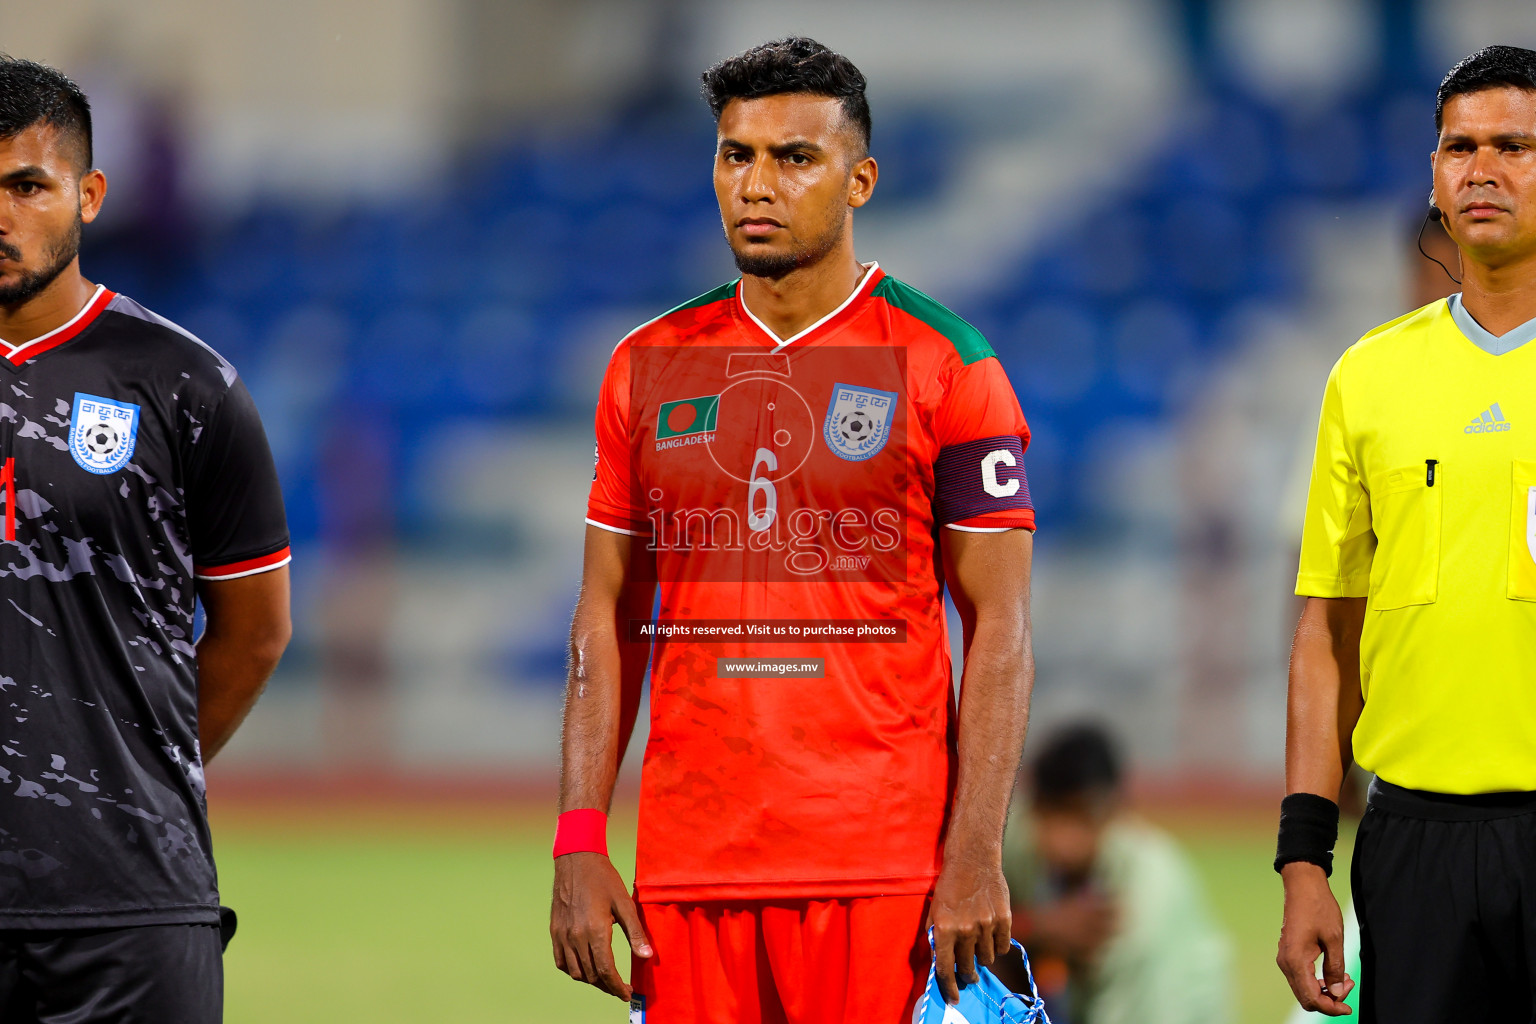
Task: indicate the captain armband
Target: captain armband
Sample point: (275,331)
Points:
(980,477)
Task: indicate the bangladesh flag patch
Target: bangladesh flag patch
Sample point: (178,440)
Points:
(687,416)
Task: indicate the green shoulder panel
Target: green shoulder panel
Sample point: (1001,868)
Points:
(714,295)
(968,341)
(719,294)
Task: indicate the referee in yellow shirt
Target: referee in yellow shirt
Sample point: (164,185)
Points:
(1416,652)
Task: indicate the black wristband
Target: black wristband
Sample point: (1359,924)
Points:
(1309,826)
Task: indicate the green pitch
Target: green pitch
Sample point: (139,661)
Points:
(350,921)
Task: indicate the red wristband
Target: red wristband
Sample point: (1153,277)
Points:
(581,831)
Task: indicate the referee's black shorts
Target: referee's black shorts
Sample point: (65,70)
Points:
(148,974)
(1445,891)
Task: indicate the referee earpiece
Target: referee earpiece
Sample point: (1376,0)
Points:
(1434,214)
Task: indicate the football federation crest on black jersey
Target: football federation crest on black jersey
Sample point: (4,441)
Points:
(102,433)
(132,462)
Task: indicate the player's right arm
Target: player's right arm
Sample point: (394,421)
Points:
(1325,700)
(248,629)
(239,540)
(602,698)
(602,695)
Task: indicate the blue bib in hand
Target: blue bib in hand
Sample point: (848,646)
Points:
(984,1001)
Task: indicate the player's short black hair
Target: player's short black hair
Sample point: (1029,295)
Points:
(1488,68)
(792,64)
(1077,761)
(33,93)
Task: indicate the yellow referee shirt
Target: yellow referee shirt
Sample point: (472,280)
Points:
(1423,500)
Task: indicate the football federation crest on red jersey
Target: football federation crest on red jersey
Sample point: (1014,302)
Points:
(858,421)
(745,491)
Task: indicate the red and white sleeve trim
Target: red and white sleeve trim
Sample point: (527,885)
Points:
(995,522)
(615,520)
(627,533)
(249,567)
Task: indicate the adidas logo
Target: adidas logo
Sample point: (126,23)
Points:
(1492,421)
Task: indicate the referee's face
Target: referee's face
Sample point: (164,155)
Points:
(1485,173)
(44,198)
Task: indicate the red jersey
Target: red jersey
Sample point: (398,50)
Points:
(802,738)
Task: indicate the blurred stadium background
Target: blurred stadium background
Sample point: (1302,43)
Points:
(419,226)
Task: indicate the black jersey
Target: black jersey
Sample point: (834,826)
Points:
(134,462)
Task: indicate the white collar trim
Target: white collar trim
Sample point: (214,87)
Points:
(869,272)
(13,349)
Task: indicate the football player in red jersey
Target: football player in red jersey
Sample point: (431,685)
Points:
(812,798)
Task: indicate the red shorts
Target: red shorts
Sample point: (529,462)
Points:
(784,962)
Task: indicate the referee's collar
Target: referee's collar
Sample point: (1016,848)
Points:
(1477,334)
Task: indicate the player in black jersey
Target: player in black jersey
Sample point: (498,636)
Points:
(134,478)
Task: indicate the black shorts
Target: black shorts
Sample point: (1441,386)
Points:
(148,974)
(1445,891)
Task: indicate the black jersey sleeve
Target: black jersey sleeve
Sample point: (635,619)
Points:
(234,502)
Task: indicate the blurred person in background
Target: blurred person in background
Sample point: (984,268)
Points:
(798,835)
(1412,657)
(359,590)
(136,479)
(141,138)
(1110,897)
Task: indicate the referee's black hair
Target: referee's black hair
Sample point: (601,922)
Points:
(1488,68)
(33,93)
(1080,760)
(793,64)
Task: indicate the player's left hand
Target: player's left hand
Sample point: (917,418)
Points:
(589,899)
(970,917)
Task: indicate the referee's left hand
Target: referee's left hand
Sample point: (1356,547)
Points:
(1313,926)
(971,918)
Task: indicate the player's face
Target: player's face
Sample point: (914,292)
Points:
(44,201)
(789,171)
(1485,173)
